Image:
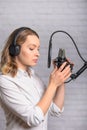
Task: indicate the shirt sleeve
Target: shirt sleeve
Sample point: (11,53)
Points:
(55,110)
(18,104)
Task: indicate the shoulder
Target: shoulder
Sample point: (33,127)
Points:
(5,79)
(3,76)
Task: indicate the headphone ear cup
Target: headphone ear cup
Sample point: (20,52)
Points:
(14,50)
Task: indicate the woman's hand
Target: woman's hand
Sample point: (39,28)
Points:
(55,89)
(60,75)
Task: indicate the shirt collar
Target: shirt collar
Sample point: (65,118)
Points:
(21,72)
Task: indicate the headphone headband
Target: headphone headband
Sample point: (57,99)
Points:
(17,33)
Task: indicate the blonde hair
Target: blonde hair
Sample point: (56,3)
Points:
(8,63)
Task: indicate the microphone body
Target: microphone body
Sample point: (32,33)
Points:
(58,61)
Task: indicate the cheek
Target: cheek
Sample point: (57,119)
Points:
(25,56)
(25,53)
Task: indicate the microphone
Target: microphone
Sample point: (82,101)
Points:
(58,61)
(62,58)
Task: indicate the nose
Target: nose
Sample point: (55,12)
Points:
(37,53)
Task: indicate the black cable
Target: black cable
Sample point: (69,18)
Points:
(72,41)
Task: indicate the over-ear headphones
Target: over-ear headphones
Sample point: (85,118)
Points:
(14,48)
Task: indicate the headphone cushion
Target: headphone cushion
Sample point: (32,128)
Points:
(14,50)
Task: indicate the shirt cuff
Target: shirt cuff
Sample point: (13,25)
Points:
(55,110)
(37,117)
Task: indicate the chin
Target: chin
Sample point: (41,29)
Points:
(32,65)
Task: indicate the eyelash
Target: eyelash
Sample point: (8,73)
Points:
(33,49)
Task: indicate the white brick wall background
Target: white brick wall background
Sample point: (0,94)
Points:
(47,16)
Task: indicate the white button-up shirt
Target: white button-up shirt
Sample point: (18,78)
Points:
(19,98)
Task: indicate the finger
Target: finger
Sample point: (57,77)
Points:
(62,66)
(67,76)
(55,69)
(70,62)
(54,64)
(66,70)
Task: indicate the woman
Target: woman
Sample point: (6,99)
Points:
(25,99)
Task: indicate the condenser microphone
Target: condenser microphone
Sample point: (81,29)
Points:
(61,56)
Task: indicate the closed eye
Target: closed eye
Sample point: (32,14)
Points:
(31,49)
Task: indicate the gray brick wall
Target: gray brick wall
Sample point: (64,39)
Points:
(47,16)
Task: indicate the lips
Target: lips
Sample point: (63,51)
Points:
(35,60)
